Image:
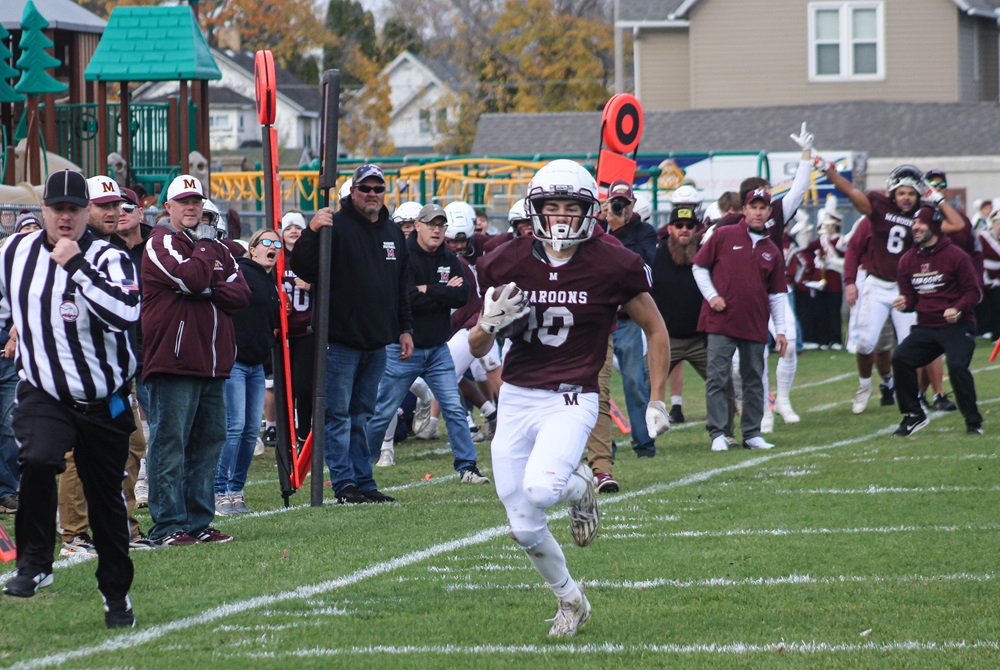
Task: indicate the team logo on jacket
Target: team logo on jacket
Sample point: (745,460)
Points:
(444,272)
(766,256)
(390,250)
(69,311)
(217,266)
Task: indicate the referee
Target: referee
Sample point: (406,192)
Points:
(72,297)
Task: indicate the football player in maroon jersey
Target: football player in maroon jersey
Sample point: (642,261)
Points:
(890,217)
(560,290)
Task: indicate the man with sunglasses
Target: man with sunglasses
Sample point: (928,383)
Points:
(369,309)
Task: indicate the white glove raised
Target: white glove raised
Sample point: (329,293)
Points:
(502,307)
(804,139)
(929,194)
(657,419)
(821,164)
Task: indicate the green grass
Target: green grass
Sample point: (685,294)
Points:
(844,547)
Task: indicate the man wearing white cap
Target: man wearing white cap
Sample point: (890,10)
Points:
(190,287)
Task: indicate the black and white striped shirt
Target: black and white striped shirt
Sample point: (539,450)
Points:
(72,321)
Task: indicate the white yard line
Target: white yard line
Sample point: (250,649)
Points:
(784,532)
(611,649)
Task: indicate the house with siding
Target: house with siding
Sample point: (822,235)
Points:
(423,92)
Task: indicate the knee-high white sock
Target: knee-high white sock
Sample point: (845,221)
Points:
(420,389)
(785,371)
(575,488)
(550,562)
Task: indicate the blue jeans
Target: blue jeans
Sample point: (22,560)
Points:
(635,380)
(352,377)
(10,472)
(244,407)
(187,429)
(438,370)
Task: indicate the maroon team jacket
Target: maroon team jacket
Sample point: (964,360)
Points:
(184,334)
(932,280)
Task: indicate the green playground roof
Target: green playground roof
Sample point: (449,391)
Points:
(152,44)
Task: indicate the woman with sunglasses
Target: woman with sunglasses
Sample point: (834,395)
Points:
(256,330)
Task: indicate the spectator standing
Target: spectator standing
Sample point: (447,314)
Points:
(300,330)
(639,237)
(741,275)
(72,297)
(256,328)
(191,287)
(369,309)
(437,286)
(937,280)
(988,312)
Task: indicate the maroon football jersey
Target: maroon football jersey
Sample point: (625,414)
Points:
(468,315)
(572,309)
(891,236)
(299,303)
(497,240)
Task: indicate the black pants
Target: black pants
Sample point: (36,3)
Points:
(46,429)
(957,342)
(827,313)
(301,350)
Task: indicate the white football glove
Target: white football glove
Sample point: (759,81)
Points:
(503,307)
(804,139)
(822,165)
(929,194)
(657,419)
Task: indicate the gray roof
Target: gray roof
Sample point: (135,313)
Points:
(883,129)
(61,15)
(217,95)
(660,10)
(443,70)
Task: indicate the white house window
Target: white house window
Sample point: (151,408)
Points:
(846,41)
(220,122)
(425,121)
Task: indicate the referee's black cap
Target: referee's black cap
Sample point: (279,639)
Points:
(66,186)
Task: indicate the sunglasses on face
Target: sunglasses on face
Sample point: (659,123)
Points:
(268,242)
(128,208)
(365,188)
(689,225)
(938,184)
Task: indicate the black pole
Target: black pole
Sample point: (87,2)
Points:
(321,291)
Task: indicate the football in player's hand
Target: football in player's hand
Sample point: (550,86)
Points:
(515,328)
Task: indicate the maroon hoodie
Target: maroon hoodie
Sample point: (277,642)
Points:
(936,278)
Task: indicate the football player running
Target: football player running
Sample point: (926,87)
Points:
(555,295)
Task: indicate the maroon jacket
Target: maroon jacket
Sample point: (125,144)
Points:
(185,333)
(932,280)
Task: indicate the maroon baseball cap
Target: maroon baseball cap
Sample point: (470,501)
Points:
(930,216)
(130,196)
(620,189)
(758,194)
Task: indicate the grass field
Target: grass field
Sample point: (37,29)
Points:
(845,547)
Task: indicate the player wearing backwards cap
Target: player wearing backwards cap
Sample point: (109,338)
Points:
(560,290)
(890,218)
(741,274)
(937,280)
(72,297)
(190,287)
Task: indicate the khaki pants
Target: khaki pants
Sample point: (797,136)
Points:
(72,503)
(136,452)
(599,454)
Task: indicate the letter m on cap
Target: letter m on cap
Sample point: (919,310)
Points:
(190,183)
(108,187)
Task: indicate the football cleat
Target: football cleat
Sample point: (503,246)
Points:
(570,616)
(584,517)
(783,408)
(861,397)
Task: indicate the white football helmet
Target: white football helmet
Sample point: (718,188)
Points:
(215,220)
(688,195)
(345,188)
(517,214)
(461,224)
(563,179)
(904,175)
(407,211)
(643,207)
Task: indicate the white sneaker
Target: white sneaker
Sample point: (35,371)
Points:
(421,416)
(767,422)
(757,443)
(477,434)
(861,399)
(783,408)
(571,615)
(473,476)
(720,443)
(430,432)
(258,449)
(584,517)
(141,492)
(386,457)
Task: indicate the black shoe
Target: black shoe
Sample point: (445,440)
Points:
(9,504)
(676,415)
(270,437)
(119,614)
(942,404)
(887,396)
(26,584)
(973,429)
(350,495)
(377,496)
(910,424)
(924,405)
(645,453)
